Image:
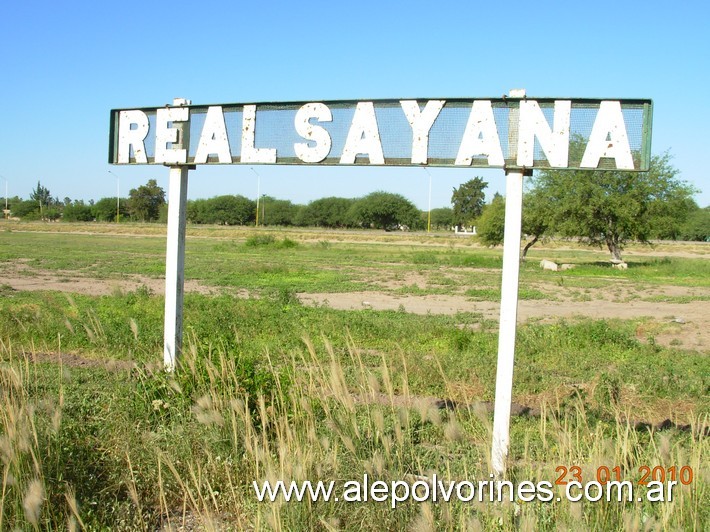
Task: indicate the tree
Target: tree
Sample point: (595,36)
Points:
(535,220)
(612,207)
(26,209)
(698,226)
(277,212)
(77,211)
(145,201)
(41,195)
(326,212)
(384,210)
(537,216)
(468,201)
(491,224)
(43,198)
(104,210)
(441,218)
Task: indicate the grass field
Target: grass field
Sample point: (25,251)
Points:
(328,355)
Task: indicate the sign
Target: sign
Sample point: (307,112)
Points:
(516,133)
(511,132)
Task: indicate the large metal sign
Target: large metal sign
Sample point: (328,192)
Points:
(498,133)
(515,133)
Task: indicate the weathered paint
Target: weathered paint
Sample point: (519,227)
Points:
(421,123)
(165,134)
(214,139)
(481,137)
(609,138)
(130,137)
(554,142)
(311,132)
(363,137)
(443,133)
(250,154)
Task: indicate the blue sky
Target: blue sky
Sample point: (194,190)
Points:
(66,64)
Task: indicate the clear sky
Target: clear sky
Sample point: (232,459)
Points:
(66,64)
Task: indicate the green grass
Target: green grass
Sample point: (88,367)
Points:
(270,388)
(130,450)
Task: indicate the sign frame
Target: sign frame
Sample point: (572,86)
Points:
(173,137)
(475,144)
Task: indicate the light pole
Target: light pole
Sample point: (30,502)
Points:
(118,204)
(428,223)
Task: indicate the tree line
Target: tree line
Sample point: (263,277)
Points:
(606,208)
(147,203)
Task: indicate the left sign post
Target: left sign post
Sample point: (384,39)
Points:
(179,138)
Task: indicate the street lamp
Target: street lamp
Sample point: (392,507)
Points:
(118,204)
(428,223)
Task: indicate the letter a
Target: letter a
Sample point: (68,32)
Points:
(608,139)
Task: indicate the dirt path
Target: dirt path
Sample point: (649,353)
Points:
(683,324)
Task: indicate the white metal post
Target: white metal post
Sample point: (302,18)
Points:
(175,253)
(508,319)
(175,265)
(508,299)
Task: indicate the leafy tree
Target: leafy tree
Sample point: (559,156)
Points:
(491,224)
(222,210)
(26,209)
(104,210)
(12,202)
(698,226)
(326,212)
(277,212)
(612,207)
(670,216)
(77,211)
(145,201)
(441,218)
(468,201)
(537,217)
(41,195)
(384,210)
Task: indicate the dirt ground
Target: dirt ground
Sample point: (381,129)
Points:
(680,324)
(685,325)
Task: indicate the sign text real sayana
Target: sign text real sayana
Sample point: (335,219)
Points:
(480,139)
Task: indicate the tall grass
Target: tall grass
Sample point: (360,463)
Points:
(95,448)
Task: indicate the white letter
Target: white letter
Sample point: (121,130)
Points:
(379,491)
(165,134)
(313,154)
(421,122)
(480,137)
(416,496)
(351,491)
(526,491)
(655,491)
(399,498)
(588,491)
(128,137)
(608,139)
(671,484)
(568,489)
(471,491)
(544,490)
(213,139)
(555,143)
(363,137)
(250,154)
